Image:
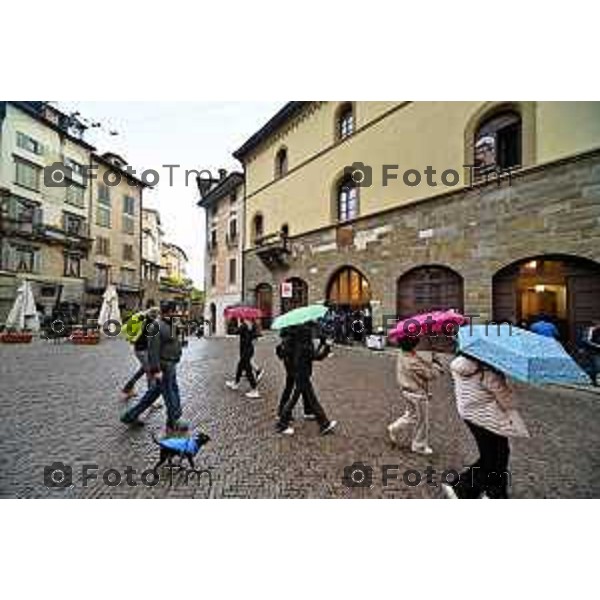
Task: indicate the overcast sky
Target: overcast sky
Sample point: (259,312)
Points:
(195,135)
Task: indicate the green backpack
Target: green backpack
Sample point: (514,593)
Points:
(134,327)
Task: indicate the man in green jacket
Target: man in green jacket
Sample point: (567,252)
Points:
(164,354)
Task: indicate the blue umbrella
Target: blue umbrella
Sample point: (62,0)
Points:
(521,354)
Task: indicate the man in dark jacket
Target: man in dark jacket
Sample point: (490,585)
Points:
(164,353)
(303,355)
(248,333)
(285,352)
(592,339)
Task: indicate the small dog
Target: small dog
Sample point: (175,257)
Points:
(182,447)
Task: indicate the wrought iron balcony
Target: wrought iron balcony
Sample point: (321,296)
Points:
(273,250)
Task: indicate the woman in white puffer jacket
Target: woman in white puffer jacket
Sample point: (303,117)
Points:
(484,402)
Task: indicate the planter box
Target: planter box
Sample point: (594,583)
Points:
(15,337)
(81,338)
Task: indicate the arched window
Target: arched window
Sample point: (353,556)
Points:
(347,200)
(349,287)
(498,142)
(345,121)
(257,227)
(281,162)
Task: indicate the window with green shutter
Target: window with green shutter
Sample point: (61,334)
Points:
(27,174)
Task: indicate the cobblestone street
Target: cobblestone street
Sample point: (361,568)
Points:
(61,403)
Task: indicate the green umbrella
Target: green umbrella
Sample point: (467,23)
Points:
(298,316)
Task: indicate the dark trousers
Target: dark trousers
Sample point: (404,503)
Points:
(489,473)
(305,388)
(169,389)
(245,367)
(290,384)
(142,356)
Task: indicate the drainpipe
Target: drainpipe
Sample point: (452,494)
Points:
(243,240)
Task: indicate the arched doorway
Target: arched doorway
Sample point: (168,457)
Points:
(427,288)
(349,296)
(299,295)
(564,288)
(349,288)
(264,301)
(213,318)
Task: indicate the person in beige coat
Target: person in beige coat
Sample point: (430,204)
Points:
(484,402)
(414,372)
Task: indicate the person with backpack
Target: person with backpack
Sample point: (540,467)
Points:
(164,354)
(136,331)
(484,403)
(285,352)
(303,354)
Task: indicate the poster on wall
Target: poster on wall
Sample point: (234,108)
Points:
(287,290)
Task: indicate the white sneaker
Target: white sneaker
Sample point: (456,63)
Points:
(287,431)
(421,449)
(391,436)
(253,394)
(259,375)
(332,425)
(232,385)
(449,492)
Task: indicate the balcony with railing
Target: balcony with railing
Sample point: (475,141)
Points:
(273,249)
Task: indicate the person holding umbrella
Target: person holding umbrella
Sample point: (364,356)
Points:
(487,356)
(248,333)
(415,372)
(302,354)
(484,403)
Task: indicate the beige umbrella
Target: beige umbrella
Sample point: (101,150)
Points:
(110,306)
(23,315)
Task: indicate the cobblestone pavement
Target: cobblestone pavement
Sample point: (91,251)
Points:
(61,403)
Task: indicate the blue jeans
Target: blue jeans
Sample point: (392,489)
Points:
(169,389)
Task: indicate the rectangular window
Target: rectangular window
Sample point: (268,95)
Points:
(233,230)
(103,194)
(76,167)
(26,142)
(25,259)
(72,265)
(213,238)
(128,224)
(27,174)
(103,216)
(127,277)
(73,224)
(101,276)
(232,271)
(213,275)
(103,210)
(127,252)
(128,205)
(75,195)
(103,246)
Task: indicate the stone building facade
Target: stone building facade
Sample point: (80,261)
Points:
(525,241)
(224,209)
(73,236)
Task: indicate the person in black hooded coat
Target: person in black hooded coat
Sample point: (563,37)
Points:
(303,354)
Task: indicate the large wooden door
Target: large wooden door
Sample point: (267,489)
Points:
(429,288)
(264,301)
(299,295)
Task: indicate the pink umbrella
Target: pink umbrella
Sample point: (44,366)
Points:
(438,322)
(242,312)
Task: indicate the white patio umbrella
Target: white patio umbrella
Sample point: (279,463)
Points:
(110,306)
(23,314)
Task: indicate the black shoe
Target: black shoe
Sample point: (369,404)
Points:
(329,428)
